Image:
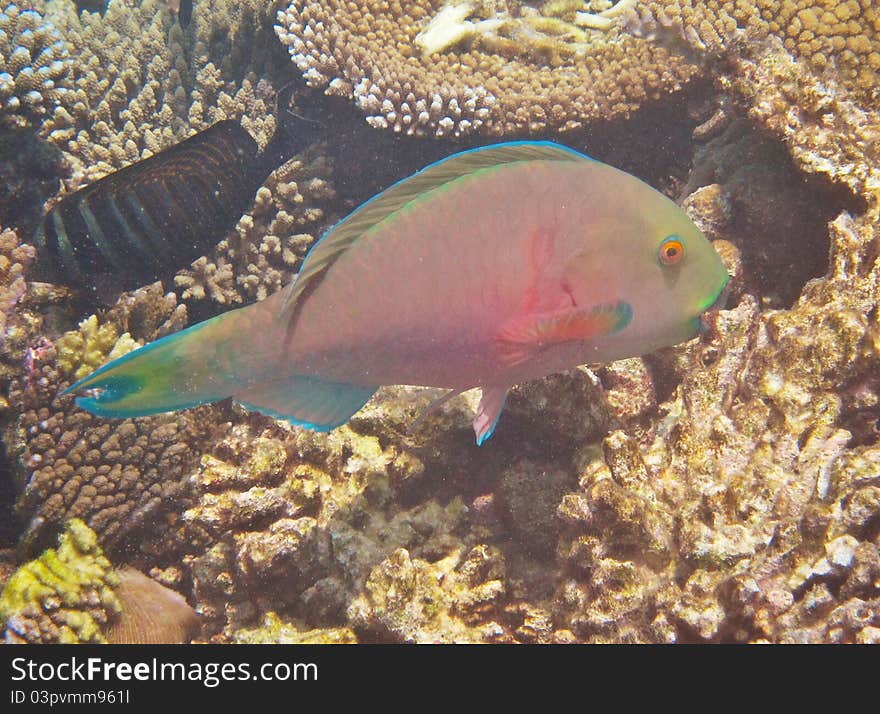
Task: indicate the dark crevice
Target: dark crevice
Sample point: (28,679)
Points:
(9,525)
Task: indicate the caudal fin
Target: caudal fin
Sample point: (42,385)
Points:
(199,365)
(146,381)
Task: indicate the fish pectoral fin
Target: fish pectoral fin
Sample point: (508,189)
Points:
(521,337)
(317,404)
(489,411)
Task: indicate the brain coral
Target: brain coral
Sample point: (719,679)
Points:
(35,65)
(523,71)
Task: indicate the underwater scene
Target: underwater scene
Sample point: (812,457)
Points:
(439,321)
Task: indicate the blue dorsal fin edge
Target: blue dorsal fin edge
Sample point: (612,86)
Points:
(335,240)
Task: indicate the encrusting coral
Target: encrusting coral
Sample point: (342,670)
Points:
(35,65)
(501,74)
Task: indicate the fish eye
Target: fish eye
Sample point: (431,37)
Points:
(671,250)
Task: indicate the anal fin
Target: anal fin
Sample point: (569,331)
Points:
(310,402)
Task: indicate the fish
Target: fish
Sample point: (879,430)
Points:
(492,267)
(150,219)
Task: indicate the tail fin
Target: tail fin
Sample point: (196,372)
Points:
(199,365)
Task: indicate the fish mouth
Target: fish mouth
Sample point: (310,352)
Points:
(717,301)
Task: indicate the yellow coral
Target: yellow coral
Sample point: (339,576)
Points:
(70,585)
(83,350)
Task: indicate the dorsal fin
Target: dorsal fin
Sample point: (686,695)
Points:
(392,199)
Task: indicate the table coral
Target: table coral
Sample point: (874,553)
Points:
(842,36)
(528,80)
(35,65)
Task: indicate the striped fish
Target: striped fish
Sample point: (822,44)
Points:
(151,219)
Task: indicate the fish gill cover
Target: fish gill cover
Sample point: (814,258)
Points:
(723,490)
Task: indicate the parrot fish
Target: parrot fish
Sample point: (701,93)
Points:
(494,266)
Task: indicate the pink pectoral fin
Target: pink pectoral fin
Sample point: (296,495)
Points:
(488,412)
(523,336)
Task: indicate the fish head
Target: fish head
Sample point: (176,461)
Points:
(676,273)
(656,262)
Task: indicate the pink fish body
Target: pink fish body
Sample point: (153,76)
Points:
(493,267)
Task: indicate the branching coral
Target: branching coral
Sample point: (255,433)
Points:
(35,65)
(15,257)
(140,85)
(269,242)
(533,80)
(113,474)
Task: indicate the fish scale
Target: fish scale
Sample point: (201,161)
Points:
(492,267)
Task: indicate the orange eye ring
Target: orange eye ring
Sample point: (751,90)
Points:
(671,250)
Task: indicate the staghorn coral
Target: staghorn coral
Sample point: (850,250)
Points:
(115,475)
(66,595)
(35,65)
(368,51)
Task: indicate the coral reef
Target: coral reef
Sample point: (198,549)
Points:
(141,85)
(114,475)
(522,75)
(15,257)
(268,244)
(66,595)
(35,65)
(72,594)
(723,490)
(274,630)
(839,36)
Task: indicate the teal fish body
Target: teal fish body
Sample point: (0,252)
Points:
(493,267)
